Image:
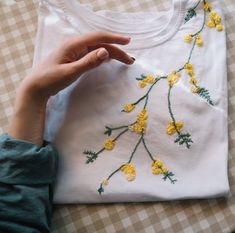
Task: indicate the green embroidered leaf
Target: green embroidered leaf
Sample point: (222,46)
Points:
(184,139)
(100,190)
(92,157)
(168,175)
(142,76)
(190,14)
(108,131)
(204,93)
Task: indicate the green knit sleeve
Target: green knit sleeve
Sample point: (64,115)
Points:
(27,175)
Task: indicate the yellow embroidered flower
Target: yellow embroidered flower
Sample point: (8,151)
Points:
(142,115)
(129,170)
(193,80)
(217,19)
(149,79)
(109,143)
(211,24)
(141,122)
(158,167)
(212,15)
(194,89)
(189,69)
(199,41)
(188,38)
(206,6)
(128,107)
(105,182)
(142,84)
(171,127)
(219,27)
(172,78)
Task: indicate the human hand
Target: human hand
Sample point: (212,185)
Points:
(75,56)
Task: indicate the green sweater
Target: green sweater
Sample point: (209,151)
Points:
(27,174)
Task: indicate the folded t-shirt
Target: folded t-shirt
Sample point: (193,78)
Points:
(155,130)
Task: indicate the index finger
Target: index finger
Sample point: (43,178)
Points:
(95,38)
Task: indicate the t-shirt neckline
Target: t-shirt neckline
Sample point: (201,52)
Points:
(144,35)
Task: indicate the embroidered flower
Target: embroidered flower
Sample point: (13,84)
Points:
(149,79)
(215,21)
(172,78)
(188,38)
(194,89)
(142,84)
(171,129)
(219,27)
(199,41)
(193,80)
(105,182)
(206,6)
(211,24)
(141,122)
(109,143)
(128,107)
(158,167)
(189,69)
(129,171)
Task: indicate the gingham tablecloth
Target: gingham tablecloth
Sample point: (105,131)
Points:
(18,24)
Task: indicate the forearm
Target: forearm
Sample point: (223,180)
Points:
(28,118)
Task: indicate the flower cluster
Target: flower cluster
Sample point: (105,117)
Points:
(215,21)
(193,81)
(129,171)
(189,37)
(158,167)
(141,122)
(172,78)
(149,79)
(174,127)
(109,143)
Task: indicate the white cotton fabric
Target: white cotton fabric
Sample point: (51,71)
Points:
(77,116)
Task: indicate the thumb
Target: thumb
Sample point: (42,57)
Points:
(91,60)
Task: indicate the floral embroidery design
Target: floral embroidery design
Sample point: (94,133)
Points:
(174,126)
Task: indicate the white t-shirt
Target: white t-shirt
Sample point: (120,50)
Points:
(77,116)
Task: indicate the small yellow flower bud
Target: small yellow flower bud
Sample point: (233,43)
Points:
(219,27)
(188,38)
(105,182)
(194,89)
(109,143)
(142,84)
(211,24)
(128,107)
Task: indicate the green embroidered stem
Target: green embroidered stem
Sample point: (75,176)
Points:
(101,189)
(92,156)
(191,52)
(170,110)
(146,148)
(133,152)
(147,93)
(203,24)
(169,175)
(191,12)
(182,138)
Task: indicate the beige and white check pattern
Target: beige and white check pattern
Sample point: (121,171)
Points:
(18,24)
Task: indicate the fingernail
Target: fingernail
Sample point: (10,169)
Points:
(102,54)
(133,58)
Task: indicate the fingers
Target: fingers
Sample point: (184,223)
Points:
(115,53)
(95,38)
(88,62)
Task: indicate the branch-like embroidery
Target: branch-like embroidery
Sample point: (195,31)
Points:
(139,126)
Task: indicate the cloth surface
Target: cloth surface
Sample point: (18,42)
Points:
(77,116)
(18,26)
(27,173)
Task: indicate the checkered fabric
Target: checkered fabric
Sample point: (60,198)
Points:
(18,24)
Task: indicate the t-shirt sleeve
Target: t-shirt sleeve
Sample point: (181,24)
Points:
(27,175)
